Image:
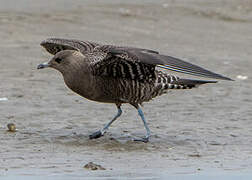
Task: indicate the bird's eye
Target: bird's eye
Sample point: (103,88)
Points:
(58,60)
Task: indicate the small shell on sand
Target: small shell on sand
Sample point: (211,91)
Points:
(92,166)
(11,127)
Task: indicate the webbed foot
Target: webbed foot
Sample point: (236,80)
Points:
(144,139)
(96,135)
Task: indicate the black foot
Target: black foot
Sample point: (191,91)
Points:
(96,135)
(145,139)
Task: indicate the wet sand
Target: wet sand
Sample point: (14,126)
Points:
(200,132)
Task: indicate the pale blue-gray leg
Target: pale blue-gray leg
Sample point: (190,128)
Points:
(146,138)
(103,130)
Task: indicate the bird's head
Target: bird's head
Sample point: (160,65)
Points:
(65,61)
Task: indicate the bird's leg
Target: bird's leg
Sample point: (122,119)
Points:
(148,133)
(101,132)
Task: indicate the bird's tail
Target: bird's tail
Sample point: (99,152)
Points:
(191,83)
(173,82)
(164,82)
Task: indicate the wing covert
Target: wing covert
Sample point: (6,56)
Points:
(120,67)
(54,45)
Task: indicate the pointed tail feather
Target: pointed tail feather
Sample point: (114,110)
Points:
(192,82)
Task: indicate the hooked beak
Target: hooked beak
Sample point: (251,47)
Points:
(43,65)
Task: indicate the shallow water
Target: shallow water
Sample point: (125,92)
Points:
(200,132)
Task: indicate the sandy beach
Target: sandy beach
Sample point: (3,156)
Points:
(203,132)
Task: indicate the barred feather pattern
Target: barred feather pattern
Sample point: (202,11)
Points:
(117,67)
(128,91)
(55,45)
(136,92)
(169,81)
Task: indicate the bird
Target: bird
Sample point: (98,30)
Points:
(120,74)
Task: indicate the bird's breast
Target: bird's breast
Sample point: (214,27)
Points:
(90,87)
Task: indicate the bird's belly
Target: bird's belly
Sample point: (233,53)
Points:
(95,94)
(110,90)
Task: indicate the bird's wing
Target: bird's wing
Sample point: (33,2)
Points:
(54,45)
(151,58)
(119,49)
(105,62)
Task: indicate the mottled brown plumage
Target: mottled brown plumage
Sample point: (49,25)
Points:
(118,75)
